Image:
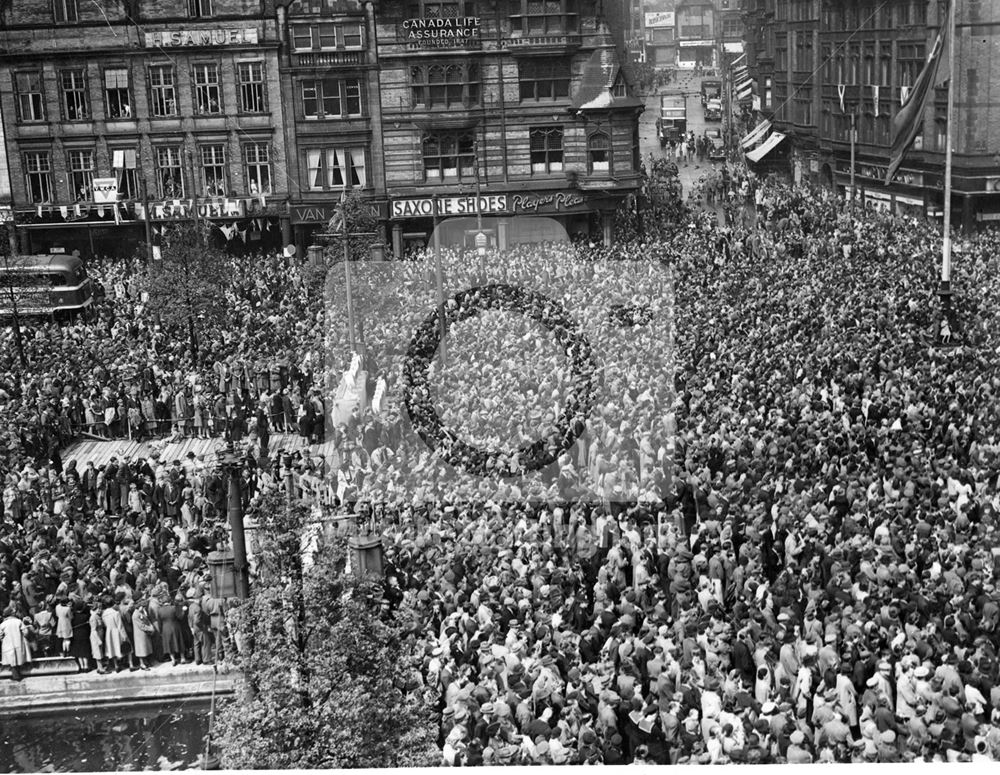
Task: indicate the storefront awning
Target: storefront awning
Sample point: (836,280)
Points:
(744,90)
(766,147)
(755,134)
(742,57)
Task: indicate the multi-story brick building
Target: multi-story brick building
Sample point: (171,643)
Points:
(523,101)
(697,34)
(332,112)
(817,63)
(158,110)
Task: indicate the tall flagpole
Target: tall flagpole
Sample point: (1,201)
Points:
(946,242)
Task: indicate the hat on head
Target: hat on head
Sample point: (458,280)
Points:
(797,737)
(768,708)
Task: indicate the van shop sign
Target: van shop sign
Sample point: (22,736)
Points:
(457,32)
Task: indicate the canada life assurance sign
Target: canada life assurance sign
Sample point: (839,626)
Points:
(454,32)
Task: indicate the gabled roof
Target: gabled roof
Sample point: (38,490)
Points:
(600,74)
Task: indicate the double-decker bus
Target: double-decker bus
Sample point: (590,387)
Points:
(44,285)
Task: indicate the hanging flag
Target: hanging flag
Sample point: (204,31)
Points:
(118,215)
(904,94)
(76,210)
(906,124)
(63,211)
(39,211)
(840,91)
(875,98)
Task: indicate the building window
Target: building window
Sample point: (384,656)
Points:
(161,91)
(199,9)
(30,103)
(437,9)
(449,156)
(804,107)
(598,153)
(257,167)
(546,148)
(74,93)
(123,162)
(768,92)
(251,81)
(910,62)
(445,86)
(119,103)
(169,172)
(327,36)
(331,98)
(207,92)
(64,11)
(335,168)
(885,64)
(81,175)
(543,79)
(540,17)
(920,13)
(37,172)
(213,170)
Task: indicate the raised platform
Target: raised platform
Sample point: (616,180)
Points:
(169,450)
(38,695)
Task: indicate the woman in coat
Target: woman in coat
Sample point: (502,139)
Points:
(97,637)
(142,633)
(169,616)
(79,645)
(115,637)
(14,649)
(64,624)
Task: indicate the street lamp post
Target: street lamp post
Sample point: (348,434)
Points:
(230,461)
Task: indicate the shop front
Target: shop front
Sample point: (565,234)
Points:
(119,230)
(507,219)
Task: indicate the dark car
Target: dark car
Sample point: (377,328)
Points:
(716,145)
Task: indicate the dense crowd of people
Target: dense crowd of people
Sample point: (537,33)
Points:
(773,537)
(803,566)
(107,563)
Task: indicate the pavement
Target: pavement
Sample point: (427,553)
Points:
(46,694)
(649,143)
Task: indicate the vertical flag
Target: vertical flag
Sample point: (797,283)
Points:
(875,98)
(906,124)
(840,92)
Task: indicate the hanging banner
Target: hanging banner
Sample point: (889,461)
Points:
(840,92)
(875,98)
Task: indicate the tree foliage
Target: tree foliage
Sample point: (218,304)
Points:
(322,665)
(187,285)
(356,214)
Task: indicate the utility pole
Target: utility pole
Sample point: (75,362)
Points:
(147,223)
(439,280)
(480,235)
(854,137)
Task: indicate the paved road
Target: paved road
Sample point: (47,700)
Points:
(648,141)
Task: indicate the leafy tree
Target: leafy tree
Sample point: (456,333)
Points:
(325,670)
(188,283)
(356,214)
